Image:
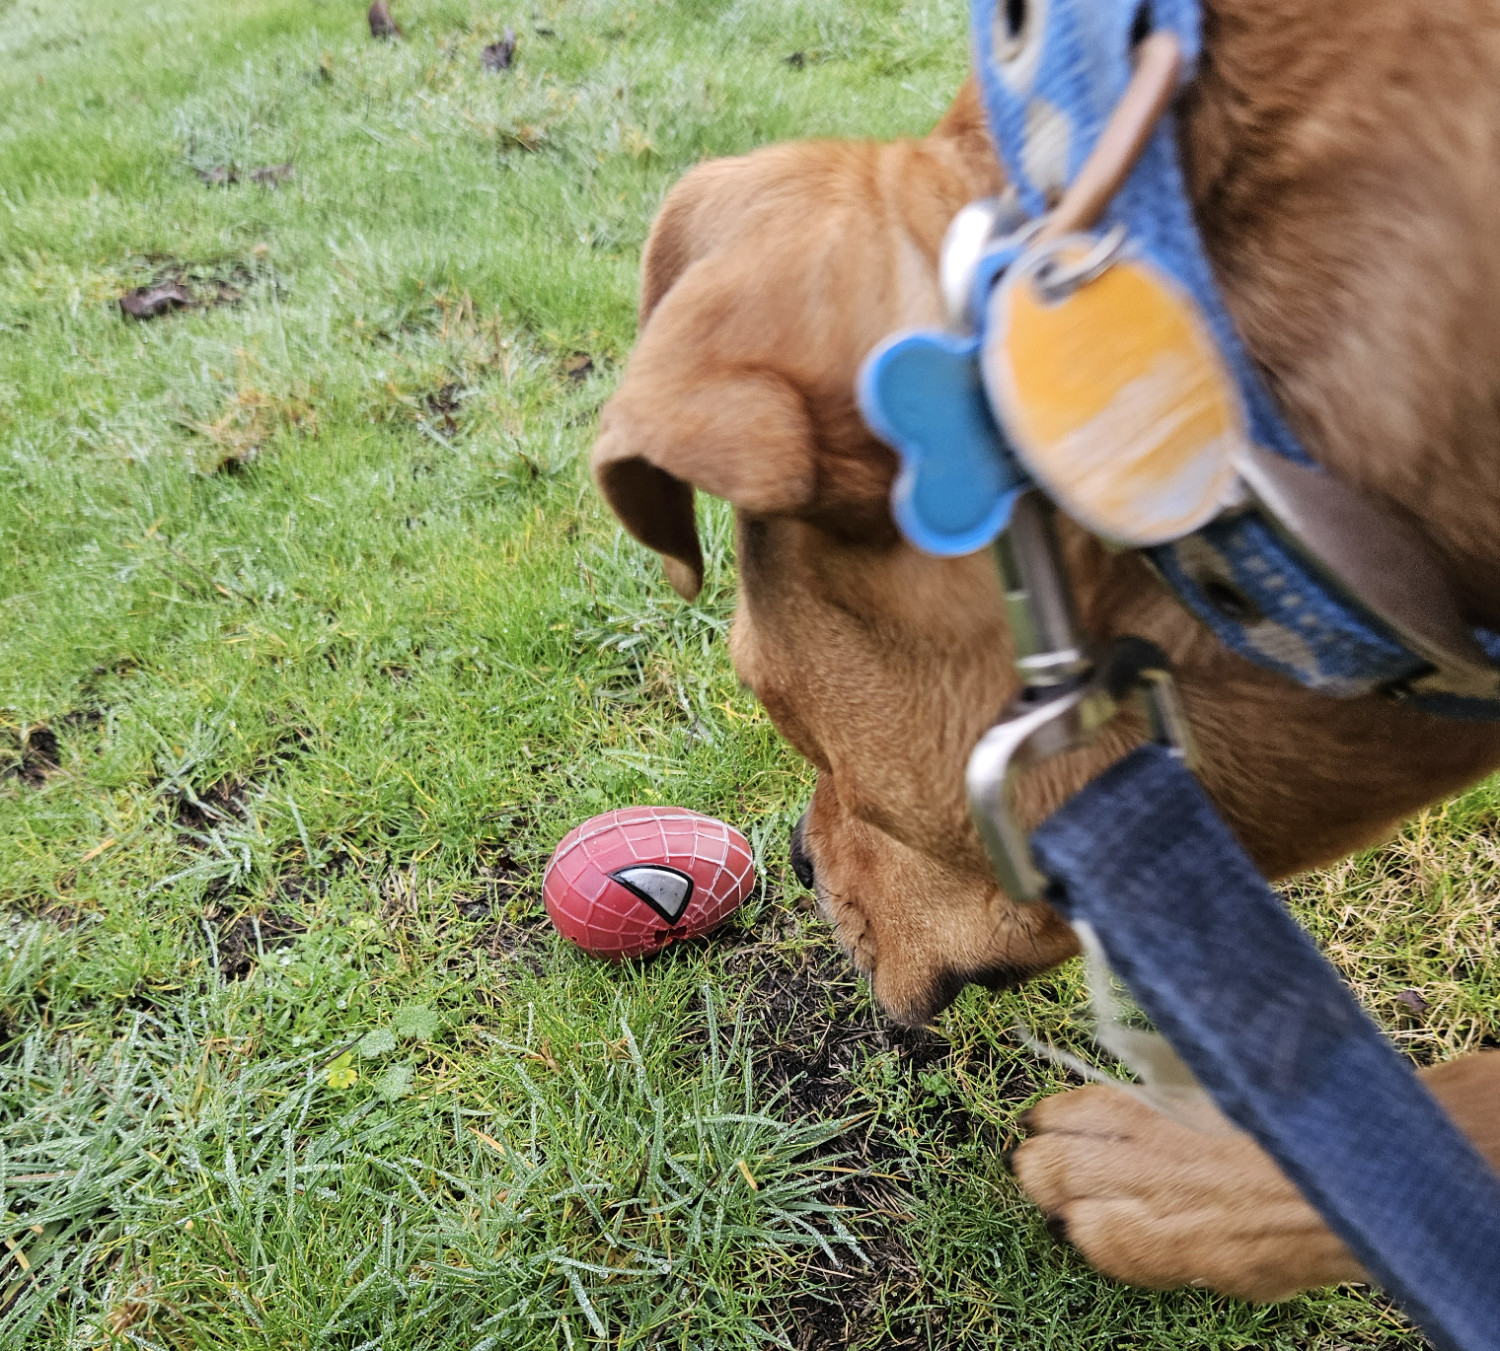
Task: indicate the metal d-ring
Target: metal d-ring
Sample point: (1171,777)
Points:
(979,227)
(1066,718)
(1056,281)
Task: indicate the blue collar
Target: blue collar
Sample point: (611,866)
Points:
(1051,73)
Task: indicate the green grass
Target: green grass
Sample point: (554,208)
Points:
(313,641)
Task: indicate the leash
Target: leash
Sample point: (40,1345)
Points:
(1091,367)
(1283,1047)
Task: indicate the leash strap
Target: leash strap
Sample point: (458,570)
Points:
(1268,1027)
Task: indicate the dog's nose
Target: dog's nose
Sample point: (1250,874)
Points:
(801,864)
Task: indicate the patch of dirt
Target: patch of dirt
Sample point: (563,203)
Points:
(578,367)
(441,406)
(814,1027)
(80,718)
(33,757)
(499,55)
(510,907)
(63,913)
(227,799)
(248,420)
(175,285)
(291,888)
(240,937)
(501,881)
(266,176)
(89,687)
(151,302)
(382,25)
(212,806)
(401,893)
(520,938)
(270,175)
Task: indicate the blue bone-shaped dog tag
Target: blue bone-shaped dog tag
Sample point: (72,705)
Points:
(922,394)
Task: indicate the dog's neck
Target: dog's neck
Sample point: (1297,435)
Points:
(1343,192)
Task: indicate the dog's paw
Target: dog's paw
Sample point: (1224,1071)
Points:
(1154,1202)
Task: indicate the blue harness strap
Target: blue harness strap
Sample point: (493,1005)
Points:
(1271,1031)
(1051,73)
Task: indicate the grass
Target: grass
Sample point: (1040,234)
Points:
(315,641)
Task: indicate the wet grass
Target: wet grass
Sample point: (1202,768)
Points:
(313,641)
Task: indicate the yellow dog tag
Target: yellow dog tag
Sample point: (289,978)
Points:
(1113,393)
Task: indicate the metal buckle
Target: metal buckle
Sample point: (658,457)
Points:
(1067,700)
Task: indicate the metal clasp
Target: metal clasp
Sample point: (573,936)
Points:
(1067,698)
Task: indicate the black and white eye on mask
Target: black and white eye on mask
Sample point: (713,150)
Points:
(1019,28)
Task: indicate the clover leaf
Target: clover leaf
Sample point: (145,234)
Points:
(416,1021)
(342,1074)
(379,1042)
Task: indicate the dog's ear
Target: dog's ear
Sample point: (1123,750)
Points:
(681,421)
(701,213)
(674,242)
(705,402)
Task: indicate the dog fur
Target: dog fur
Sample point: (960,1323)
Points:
(1344,159)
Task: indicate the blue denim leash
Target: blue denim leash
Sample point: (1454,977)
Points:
(1267,1026)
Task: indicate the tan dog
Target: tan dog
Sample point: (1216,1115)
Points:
(1345,161)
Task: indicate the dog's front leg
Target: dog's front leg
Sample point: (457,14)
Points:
(1153,1202)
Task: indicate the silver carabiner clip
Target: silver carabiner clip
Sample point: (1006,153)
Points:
(1067,698)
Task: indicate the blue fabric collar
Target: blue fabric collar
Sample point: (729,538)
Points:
(1049,89)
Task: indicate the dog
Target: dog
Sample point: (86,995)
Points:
(1344,162)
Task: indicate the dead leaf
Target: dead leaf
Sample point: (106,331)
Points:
(150,302)
(129,1311)
(523,137)
(545,1056)
(489,1140)
(381,23)
(498,55)
(97,850)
